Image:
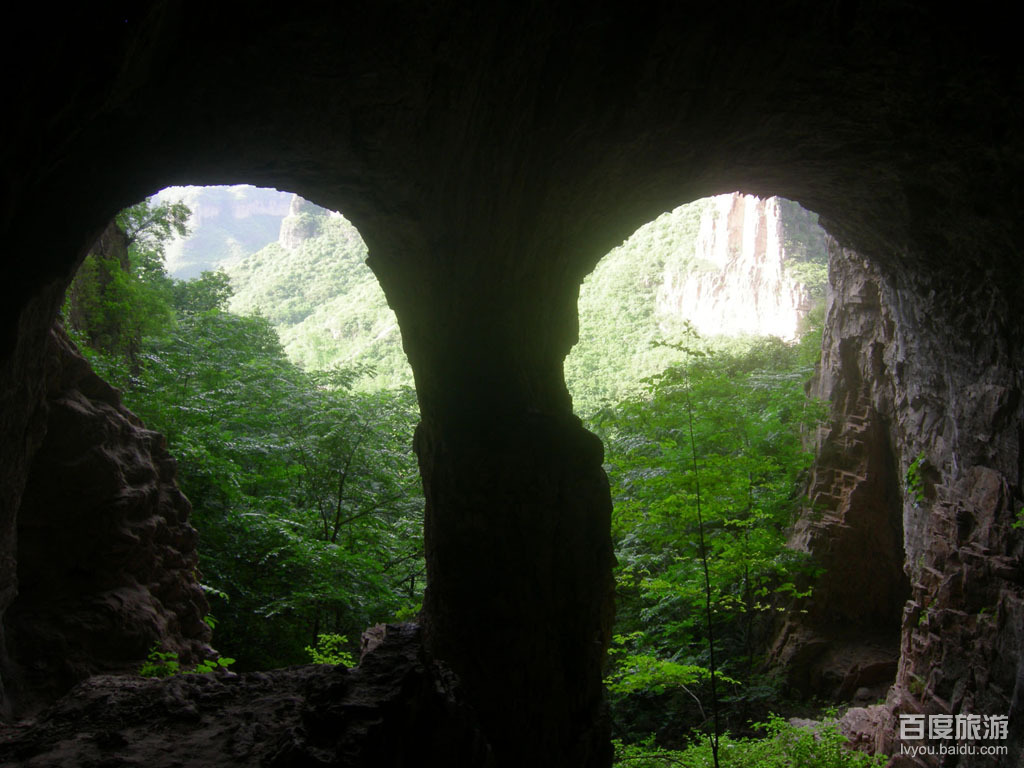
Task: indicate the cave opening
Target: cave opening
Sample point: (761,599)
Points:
(693,252)
(716,311)
(297,472)
(490,159)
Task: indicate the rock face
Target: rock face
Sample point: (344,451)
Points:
(301,223)
(913,507)
(849,637)
(106,555)
(742,286)
(395,709)
(218,205)
(226,223)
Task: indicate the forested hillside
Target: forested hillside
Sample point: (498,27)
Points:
(313,285)
(630,320)
(305,493)
(620,327)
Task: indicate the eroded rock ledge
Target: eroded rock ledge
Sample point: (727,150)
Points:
(915,494)
(395,709)
(107,560)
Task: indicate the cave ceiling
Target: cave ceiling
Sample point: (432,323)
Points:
(518,138)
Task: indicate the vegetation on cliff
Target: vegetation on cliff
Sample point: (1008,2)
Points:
(313,285)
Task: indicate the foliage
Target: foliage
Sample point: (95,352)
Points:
(165,664)
(210,291)
(641,672)
(325,302)
(810,330)
(160,663)
(806,251)
(150,225)
(209,665)
(330,649)
(620,322)
(915,479)
(305,492)
(784,746)
(749,411)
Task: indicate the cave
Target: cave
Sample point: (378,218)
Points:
(490,156)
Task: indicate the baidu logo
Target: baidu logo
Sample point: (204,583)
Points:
(960,734)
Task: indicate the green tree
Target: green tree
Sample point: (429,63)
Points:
(743,465)
(121,292)
(306,494)
(209,291)
(149,226)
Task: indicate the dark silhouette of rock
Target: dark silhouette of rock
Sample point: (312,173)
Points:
(395,709)
(107,562)
(912,508)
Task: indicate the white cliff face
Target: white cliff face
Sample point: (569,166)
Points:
(742,287)
(226,223)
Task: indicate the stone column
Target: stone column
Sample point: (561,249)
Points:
(519,599)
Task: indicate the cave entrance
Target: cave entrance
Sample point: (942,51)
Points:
(261,347)
(698,337)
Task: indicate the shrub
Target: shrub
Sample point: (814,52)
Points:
(783,746)
(165,663)
(330,649)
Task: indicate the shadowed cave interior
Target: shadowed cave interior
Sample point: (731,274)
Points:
(489,159)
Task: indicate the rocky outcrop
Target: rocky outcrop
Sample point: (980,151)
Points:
(239,202)
(915,493)
(845,643)
(395,709)
(23,384)
(107,560)
(226,223)
(740,285)
(302,223)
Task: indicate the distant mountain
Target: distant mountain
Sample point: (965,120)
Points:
(313,284)
(732,264)
(227,223)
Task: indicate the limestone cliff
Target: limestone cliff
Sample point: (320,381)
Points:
(914,495)
(107,560)
(740,285)
(301,223)
(227,223)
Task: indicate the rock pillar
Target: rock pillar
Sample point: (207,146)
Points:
(519,598)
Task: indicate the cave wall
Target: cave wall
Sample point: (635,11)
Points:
(843,643)
(23,424)
(107,564)
(923,588)
(489,157)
